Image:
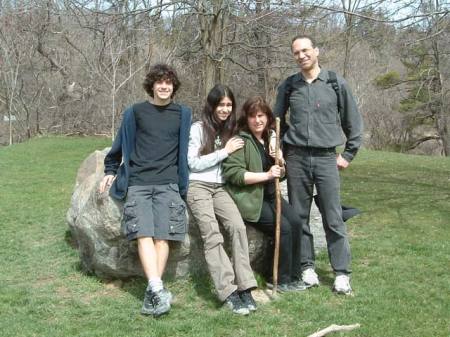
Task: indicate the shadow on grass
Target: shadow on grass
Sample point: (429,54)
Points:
(70,240)
(204,288)
(326,277)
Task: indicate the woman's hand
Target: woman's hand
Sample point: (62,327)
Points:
(234,144)
(106,183)
(274,172)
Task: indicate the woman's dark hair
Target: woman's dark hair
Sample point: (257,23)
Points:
(212,126)
(160,72)
(251,107)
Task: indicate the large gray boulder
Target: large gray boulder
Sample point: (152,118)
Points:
(94,221)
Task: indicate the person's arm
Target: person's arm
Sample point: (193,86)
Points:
(352,124)
(114,156)
(197,162)
(251,178)
(112,162)
(282,105)
(234,170)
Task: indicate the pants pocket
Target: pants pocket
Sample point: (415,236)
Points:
(177,218)
(129,219)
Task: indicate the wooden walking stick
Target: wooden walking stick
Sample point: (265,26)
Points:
(276,254)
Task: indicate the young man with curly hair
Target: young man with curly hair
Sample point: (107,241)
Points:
(147,169)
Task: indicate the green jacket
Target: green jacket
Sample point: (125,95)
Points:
(248,198)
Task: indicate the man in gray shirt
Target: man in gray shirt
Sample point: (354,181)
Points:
(322,109)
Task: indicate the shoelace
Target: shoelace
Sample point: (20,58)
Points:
(155,300)
(246,297)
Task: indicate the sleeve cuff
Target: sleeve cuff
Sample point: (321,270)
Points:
(348,156)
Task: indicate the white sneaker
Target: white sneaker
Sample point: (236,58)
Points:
(310,278)
(342,285)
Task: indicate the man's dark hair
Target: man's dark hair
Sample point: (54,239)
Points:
(304,36)
(160,72)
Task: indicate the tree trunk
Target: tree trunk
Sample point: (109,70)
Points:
(441,115)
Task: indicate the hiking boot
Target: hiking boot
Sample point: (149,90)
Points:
(147,306)
(235,304)
(310,278)
(248,300)
(342,285)
(161,302)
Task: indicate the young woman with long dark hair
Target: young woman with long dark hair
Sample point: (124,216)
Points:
(211,141)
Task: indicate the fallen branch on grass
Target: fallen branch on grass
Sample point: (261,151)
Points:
(334,328)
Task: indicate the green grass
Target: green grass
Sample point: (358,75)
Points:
(400,246)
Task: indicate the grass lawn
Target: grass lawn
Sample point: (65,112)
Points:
(400,246)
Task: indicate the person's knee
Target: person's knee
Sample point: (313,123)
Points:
(212,241)
(160,243)
(145,241)
(337,227)
(237,227)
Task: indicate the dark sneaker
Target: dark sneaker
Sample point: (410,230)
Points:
(147,306)
(248,300)
(286,287)
(299,285)
(161,302)
(235,304)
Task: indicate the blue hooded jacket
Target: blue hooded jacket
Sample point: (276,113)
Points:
(117,161)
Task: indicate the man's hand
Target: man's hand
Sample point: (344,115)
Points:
(341,162)
(106,183)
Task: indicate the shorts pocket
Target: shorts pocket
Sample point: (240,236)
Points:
(174,187)
(177,218)
(129,219)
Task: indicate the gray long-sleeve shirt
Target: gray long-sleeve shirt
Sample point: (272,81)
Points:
(314,116)
(207,168)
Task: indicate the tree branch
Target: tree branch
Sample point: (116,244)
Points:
(408,17)
(334,328)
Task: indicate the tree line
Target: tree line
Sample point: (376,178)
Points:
(71,67)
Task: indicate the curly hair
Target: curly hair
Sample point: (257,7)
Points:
(160,72)
(251,107)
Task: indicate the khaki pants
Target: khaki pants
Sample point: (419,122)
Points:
(210,204)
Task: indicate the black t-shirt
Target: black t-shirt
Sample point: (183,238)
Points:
(155,158)
(267,162)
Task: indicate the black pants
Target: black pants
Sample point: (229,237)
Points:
(290,237)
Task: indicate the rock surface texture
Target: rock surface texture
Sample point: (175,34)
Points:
(94,221)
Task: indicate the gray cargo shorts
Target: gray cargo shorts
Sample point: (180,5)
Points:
(155,211)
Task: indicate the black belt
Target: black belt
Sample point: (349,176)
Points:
(313,151)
